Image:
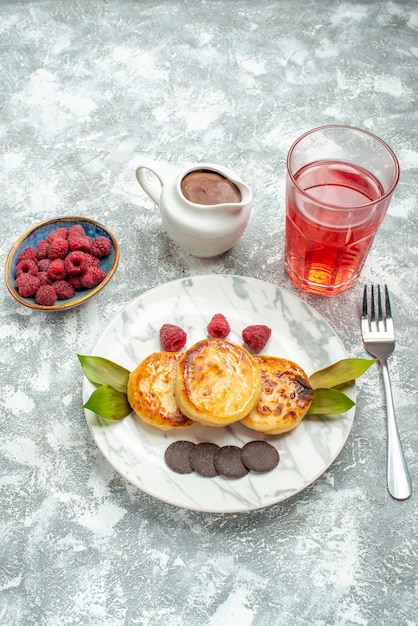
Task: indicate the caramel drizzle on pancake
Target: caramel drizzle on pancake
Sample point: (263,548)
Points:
(218,382)
(151,391)
(286,395)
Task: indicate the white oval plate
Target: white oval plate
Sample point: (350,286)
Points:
(300,334)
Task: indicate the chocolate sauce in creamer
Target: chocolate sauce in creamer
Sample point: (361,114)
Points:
(206,187)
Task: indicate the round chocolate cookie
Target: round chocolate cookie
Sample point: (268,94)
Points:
(177,456)
(228,462)
(201,459)
(259,456)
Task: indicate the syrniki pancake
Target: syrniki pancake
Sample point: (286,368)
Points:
(151,391)
(285,398)
(218,382)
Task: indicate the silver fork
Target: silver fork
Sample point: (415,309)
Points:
(379,341)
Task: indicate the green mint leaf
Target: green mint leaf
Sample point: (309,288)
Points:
(329,401)
(341,372)
(100,371)
(109,403)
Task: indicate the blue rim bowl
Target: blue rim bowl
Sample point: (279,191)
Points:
(40,232)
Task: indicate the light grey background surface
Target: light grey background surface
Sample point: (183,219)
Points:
(87,88)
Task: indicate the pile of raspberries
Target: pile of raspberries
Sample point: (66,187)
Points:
(66,261)
(255,337)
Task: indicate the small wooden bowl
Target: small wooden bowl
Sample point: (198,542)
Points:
(40,232)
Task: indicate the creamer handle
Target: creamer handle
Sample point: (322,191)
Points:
(152,185)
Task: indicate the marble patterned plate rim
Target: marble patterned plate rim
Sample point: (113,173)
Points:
(136,450)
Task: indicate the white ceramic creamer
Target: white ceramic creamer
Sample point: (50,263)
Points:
(206,227)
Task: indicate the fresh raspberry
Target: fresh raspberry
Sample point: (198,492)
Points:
(256,336)
(26,266)
(100,247)
(79,242)
(46,295)
(50,237)
(43,265)
(218,326)
(56,269)
(42,249)
(58,248)
(44,278)
(63,290)
(76,229)
(172,337)
(75,281)
(92,277)
(28,253)
(61,233)
(27,285)
(92,261)
(76,262)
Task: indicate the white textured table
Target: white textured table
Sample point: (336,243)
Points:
(87,89)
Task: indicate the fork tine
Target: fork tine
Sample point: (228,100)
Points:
(365,315)
(387,304)
(372,308)
(388,314)
(379,306)
(381,314)
(374,320)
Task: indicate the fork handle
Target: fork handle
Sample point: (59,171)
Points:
(399,482)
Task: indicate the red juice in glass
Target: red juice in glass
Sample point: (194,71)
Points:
(333,211)
(319,248)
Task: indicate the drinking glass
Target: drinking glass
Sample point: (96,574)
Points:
(339,183)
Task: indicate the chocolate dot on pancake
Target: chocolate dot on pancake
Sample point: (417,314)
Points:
(202,459)
(177,456)
(228,462)
(259,456)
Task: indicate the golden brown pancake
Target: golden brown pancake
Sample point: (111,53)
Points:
(285,398)
(218,382)
(151,391)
